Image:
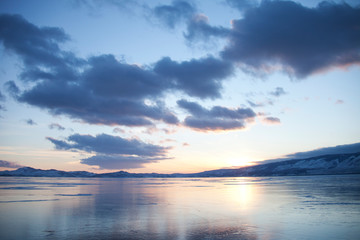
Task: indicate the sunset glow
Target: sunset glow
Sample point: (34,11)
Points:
(175,86)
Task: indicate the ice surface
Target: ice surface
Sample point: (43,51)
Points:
(248,208)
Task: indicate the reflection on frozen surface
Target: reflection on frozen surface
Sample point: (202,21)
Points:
(318,207)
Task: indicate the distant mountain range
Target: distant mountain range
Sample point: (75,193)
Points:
(320,165)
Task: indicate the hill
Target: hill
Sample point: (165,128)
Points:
(320,165)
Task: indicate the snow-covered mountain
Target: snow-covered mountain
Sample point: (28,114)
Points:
(32,172)
(327,164)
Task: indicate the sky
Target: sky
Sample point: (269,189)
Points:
(176,86)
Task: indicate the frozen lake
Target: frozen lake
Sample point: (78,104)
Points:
(316,207)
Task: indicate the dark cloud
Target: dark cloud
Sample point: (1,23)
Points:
(217,118)
(12,88)
(7,164)
(2,97)
(300,40)
(101,89)
(279,91)
(175,13)
(114,93)
(30,122)
(198,77)
(56,126)
(207,124)
(198,28)
(38,48)
(82,102)
(107,144)
(112,152)
(108,77)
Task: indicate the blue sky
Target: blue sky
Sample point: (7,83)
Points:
(175,86)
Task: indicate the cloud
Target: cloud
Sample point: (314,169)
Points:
(107,144)
(260,104)
(339,101)
(2,97)
(7,164)
(198,77)
(38,48)
(80,102)
(175,13)
(217,118)
(271,120)
(279,91)
(56,126)
(30,122)
(112,152)
(12,88)
(118,130)
(101,89)
(299,40)
(198,28)
(108,77)
(255,105)
(118,162)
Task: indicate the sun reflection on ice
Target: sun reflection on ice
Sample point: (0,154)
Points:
(243,193)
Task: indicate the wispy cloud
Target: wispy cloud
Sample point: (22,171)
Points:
(260,104)
(56,126)
(271,120)
(279,91)
(175,13)
(8,164)
(198,28)
(339,101)
(30,122)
